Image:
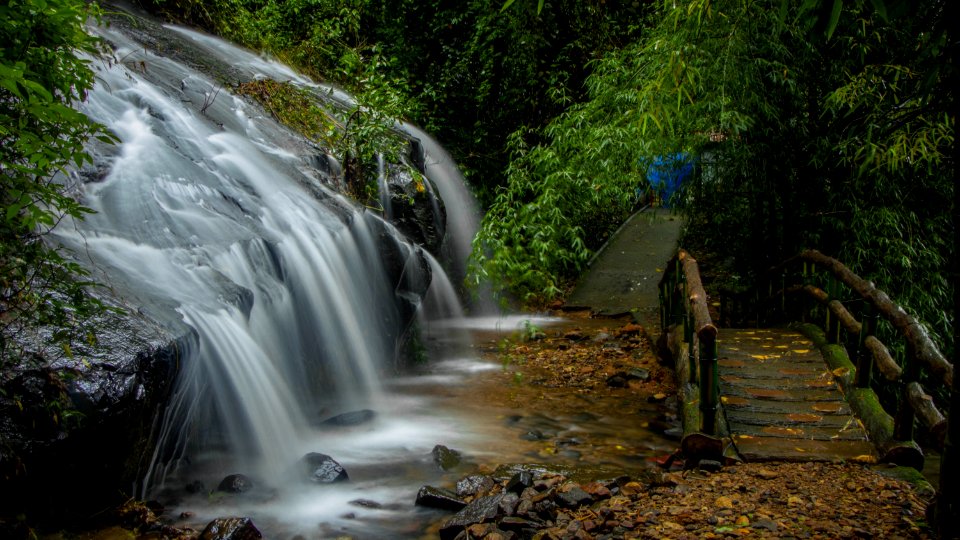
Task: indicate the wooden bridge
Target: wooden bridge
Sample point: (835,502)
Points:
(794,375)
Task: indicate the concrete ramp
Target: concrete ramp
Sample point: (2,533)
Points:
(624,275)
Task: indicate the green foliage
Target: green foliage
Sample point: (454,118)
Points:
(41,76)
(823,125)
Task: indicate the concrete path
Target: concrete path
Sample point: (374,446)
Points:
(624,275)
(781,401)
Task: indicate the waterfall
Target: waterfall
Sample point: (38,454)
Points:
(463,213)
(210,215)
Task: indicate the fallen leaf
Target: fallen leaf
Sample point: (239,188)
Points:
(723,502)
(804,417)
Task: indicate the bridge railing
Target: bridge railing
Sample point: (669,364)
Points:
(685,321)
(837,297)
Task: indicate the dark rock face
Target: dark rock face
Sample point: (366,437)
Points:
(90,418)
(414,209)
(235,483)
(322,469)
(234,528)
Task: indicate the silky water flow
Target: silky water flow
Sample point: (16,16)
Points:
(213,216)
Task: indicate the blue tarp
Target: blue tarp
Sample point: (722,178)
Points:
(666,173)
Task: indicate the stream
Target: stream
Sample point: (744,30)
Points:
(472,403)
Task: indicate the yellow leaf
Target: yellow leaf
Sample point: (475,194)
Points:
(801,351)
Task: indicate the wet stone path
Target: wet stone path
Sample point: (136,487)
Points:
(781,401)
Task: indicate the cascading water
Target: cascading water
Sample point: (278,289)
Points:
(211,216)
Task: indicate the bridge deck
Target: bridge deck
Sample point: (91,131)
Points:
(781,401)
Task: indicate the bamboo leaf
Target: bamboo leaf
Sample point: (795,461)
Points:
(834,17)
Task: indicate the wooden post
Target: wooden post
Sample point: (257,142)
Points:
(688,337)
(709,382)
(903,420)
(662,309)
(868,325)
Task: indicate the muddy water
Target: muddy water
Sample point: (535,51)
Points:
(489,403)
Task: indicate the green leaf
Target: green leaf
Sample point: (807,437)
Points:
(506,5)
(834,18)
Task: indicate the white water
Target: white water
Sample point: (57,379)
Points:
(463,213)
(212,217)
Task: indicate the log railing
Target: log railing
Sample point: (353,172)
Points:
(684,316)
(835,293)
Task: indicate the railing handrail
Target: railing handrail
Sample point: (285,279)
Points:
(922,345)
(922,353)
(700,334)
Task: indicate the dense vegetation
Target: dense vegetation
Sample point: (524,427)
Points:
(824,124)
(41,77)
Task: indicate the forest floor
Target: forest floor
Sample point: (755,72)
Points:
(753,500)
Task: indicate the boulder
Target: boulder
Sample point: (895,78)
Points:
(474,484)
(573,496)
(481,510)
(231,528)
(445,458)
(235,483)
(320,468)
(443,499)
(519,482)
(91,417)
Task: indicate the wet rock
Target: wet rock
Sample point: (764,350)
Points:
(617,381)
(508,505)
(474,485)
(443,499)
(322,469)
(481,510)
(352,418)
(519,482)
(113,388)
(637,374)
(573,496)
(546,510)
(235,483)
(574,335)
(414,209)
(445,458)
(601,337)
(233,528)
